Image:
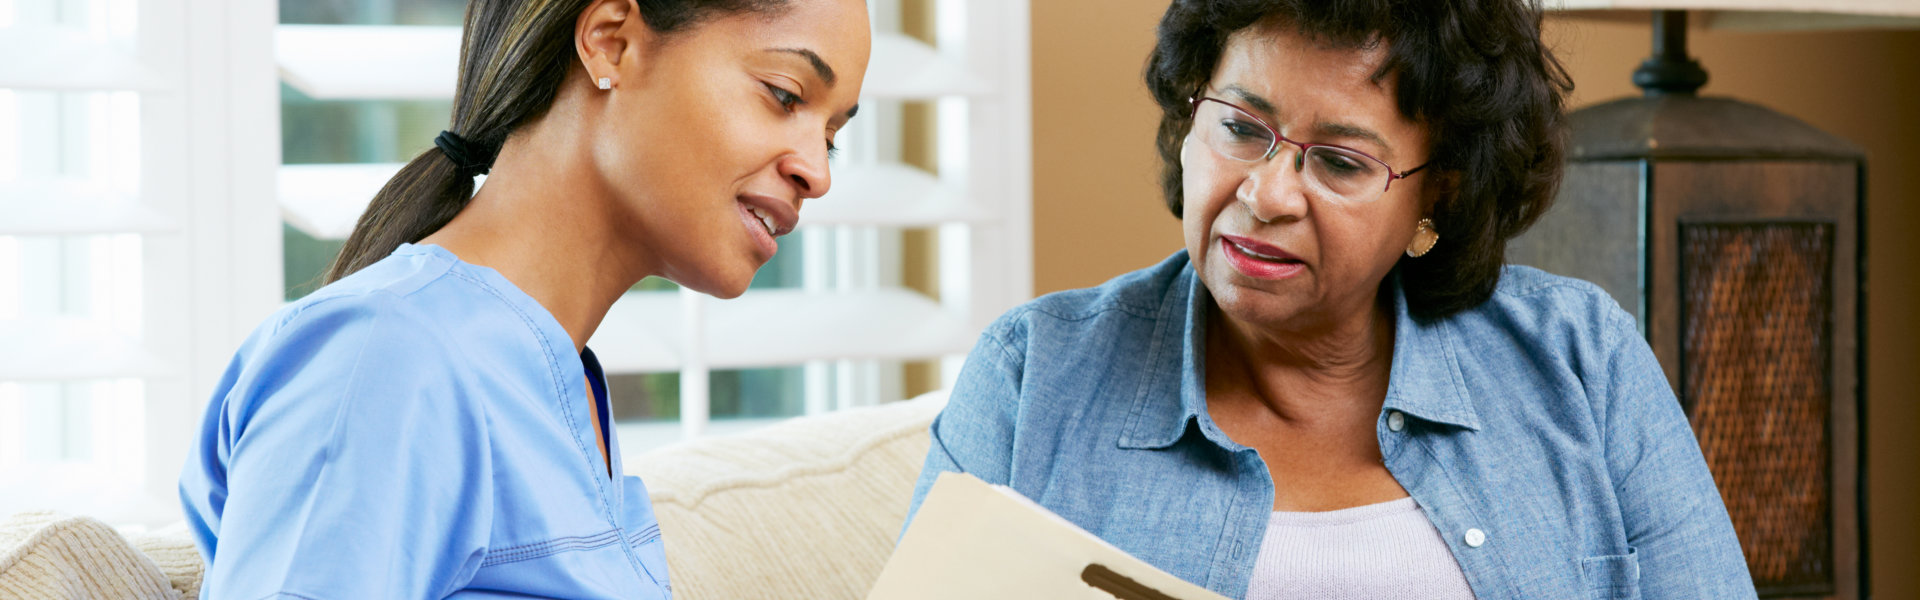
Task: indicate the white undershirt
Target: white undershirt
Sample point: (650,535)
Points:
(1386,550)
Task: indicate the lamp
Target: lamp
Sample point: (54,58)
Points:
(1734,234)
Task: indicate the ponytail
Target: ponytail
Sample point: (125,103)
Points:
(418,201)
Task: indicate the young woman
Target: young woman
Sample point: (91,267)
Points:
(431,424)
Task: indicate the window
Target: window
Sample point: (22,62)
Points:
(118,236)
(921,242)
(198,164)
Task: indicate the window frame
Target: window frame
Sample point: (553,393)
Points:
(203,192)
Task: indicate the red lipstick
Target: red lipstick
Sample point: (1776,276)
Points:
(1259,260)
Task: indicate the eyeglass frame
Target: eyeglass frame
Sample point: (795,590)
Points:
(1273,147)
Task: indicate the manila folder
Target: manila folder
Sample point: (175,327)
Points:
(972,540)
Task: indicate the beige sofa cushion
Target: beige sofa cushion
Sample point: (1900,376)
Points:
(809,508)
(48,555)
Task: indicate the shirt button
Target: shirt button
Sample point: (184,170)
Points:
(1475,538)
(1396,421)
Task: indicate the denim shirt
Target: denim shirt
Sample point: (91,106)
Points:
(1536,430)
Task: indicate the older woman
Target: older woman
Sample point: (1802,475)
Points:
(1337,390)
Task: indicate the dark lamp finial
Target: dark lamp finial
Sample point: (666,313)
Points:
(1670,71)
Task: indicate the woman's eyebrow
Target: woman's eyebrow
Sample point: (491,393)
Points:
(1252,99)
(1343,130)
(1340,130)
(820,67)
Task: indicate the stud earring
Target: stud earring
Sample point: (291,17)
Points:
(605,83)
(1424,237)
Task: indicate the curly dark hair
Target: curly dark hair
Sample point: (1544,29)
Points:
(1473,72)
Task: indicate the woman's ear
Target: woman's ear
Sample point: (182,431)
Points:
(1441,187)
(607,37)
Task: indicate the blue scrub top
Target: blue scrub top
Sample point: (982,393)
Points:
(415,430)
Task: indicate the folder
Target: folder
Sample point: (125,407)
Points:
(972,540)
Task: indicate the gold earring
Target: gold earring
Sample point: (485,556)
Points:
(1424,237)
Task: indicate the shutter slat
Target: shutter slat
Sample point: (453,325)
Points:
(373,62)
(325,201)
(64,349)
(67,59)
(780,327)
(75,208)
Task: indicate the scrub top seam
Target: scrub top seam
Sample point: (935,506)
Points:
(553,369)
(553,372)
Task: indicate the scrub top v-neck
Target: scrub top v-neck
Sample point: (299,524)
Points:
(416,430)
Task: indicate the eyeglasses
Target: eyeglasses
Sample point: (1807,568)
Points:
(1345,173)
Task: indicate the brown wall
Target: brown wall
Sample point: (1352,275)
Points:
(1097,211)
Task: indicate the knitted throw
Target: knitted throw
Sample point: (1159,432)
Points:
(52,556)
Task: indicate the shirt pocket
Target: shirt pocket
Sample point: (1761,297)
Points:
(652,551)
(1615,577)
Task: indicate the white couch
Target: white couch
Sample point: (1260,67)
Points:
(808,508)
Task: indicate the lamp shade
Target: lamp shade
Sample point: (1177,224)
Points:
(1762,15)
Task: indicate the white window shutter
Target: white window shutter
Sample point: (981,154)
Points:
(852,313)
(135,239)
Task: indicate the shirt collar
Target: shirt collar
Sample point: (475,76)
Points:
(1177,361)
(1426,380)
(1425,383)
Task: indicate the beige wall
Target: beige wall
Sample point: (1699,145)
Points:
(1097,211)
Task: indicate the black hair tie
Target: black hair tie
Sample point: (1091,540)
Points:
(465,159)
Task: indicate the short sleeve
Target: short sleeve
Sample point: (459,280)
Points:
(974,432)
(344,461)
